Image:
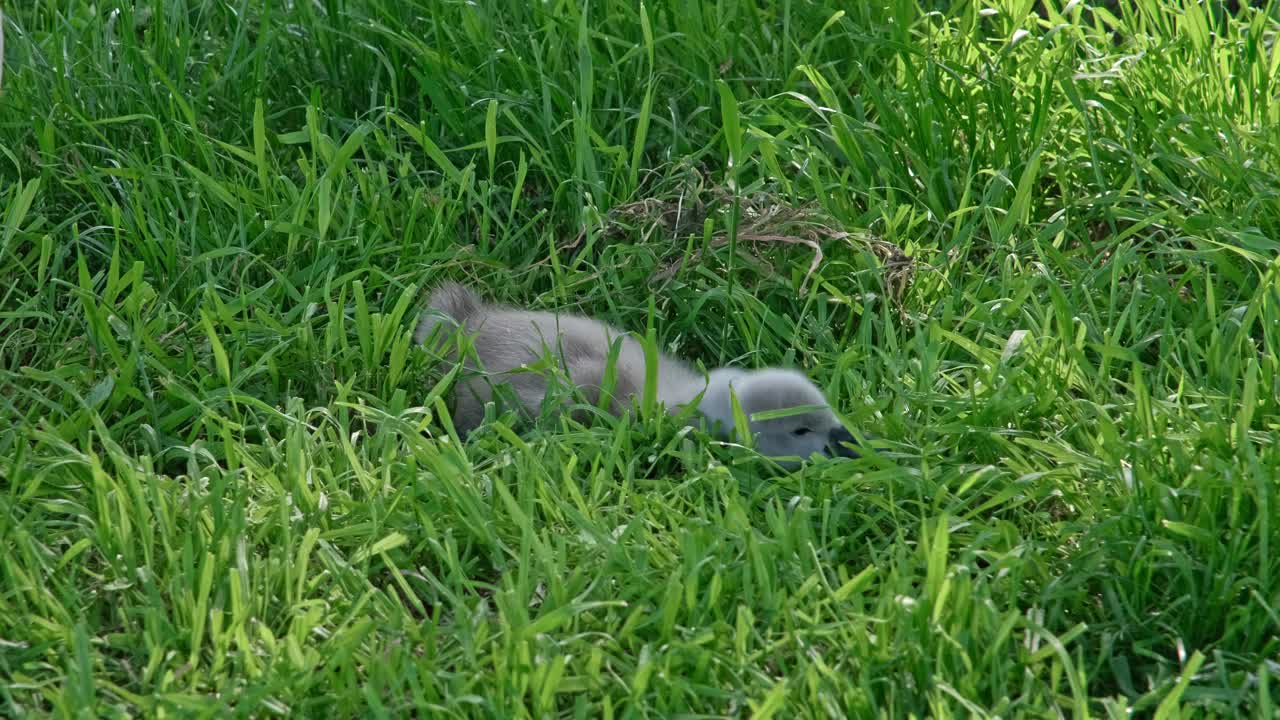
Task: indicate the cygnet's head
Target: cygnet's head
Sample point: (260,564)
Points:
(816,430)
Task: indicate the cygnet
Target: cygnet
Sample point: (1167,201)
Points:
(517,348)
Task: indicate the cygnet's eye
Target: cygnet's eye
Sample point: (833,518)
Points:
(798,432)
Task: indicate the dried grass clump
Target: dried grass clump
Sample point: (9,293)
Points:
(766,218)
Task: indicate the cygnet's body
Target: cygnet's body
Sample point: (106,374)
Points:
(511,346)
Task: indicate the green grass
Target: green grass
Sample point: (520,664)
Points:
(228,485)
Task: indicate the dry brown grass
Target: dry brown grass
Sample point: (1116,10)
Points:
(766,218)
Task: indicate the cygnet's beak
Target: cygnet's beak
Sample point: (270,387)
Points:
(839,442)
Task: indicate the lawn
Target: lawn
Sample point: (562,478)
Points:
(1031,247)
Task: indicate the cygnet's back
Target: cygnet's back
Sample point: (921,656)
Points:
(506,341)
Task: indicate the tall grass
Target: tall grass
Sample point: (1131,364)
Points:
(229,483)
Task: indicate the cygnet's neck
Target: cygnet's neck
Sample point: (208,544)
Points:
(715,404)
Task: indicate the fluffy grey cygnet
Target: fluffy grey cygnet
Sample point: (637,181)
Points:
(510,345)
